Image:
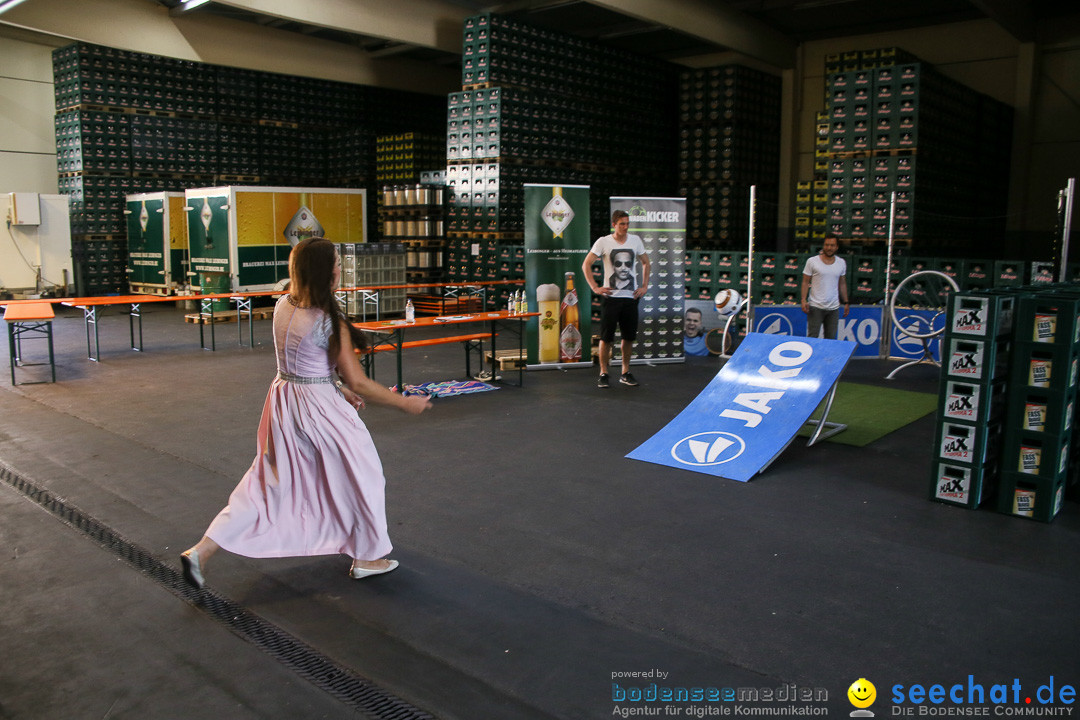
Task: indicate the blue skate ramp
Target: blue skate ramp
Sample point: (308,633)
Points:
(752,409)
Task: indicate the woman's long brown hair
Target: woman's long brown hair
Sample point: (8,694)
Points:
(311,271)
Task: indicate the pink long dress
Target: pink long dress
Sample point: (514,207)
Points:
(316,486)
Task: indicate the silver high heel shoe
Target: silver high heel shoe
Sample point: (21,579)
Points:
(192,569)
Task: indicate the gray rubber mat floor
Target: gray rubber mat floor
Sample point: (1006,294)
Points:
(542,575)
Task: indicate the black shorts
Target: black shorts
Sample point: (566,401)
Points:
(621,313)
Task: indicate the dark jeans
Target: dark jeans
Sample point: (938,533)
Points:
(818,317)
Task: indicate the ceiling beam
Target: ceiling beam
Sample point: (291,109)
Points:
(714,23)
(1013,16)
(422,23)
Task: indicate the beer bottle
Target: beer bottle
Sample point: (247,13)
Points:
(570,324)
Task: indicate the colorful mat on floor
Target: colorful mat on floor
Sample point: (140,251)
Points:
(449,388)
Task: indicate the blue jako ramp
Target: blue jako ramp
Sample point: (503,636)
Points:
(752,409)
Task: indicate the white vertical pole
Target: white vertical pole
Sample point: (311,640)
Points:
(886,315)
(1070,192)
(750,258)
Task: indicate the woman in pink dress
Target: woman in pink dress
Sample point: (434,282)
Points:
(316,486)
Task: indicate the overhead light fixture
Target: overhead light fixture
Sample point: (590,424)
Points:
(8,4)
(189,4)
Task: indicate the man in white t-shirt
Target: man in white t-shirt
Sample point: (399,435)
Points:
(622,254)
(824,278)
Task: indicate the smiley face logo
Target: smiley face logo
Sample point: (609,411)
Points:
(862,693)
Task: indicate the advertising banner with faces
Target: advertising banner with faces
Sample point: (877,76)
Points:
(661,225)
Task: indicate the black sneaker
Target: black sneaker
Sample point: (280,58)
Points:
(604,381)
(628,379)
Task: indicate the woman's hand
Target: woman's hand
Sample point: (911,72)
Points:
(415,404)
(352,398)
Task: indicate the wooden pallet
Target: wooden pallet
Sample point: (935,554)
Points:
(227,316)
(507,359)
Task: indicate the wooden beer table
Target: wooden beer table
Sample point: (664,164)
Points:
(393,337)
(31,319)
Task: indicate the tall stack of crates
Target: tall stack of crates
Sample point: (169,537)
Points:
(129,123)
(811,211)
(971,412)
(1042,398)
(373,263)
(729,139)
(538,106)
(897,125)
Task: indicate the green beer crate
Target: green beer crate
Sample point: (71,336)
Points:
(983,314)
(1044,366)
(1045,412)
(1048,318)
(976,275)
(967,443)
(964,485)
(1008,273)
(1024,495)
(1037,454)
(971,402)
(974,359)
(730,260)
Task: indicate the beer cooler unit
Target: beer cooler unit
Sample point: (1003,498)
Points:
(158,258)
(240,237)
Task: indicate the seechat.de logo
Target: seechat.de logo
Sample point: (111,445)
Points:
(775,324)
(708,448)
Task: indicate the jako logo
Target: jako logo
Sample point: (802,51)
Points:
(775,325)
(708,448)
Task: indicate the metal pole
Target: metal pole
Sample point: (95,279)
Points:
(1070,192)
(886,315)
(750,258)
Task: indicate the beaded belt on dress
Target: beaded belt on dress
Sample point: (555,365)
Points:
(289,377)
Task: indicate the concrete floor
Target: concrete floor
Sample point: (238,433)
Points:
(538,565)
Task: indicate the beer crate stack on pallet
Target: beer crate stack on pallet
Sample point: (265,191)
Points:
(729,139)
(971,412)
(535,107)
(1038,441)
(129,123)
(894,124)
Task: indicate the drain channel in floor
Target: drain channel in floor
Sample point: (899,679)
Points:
(331,677)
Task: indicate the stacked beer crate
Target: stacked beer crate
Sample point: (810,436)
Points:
(1042,398)
(894,124)
(537,106)
(975,362)
(130,122)
(776,281)
(729,140)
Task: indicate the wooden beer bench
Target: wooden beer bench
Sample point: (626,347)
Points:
(32,319)
(393,332)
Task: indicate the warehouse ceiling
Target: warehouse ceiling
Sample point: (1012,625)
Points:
(675,30)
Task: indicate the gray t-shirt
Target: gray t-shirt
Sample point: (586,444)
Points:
(824,282)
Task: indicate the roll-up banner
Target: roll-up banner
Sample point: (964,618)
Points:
(556,242)
(661,224)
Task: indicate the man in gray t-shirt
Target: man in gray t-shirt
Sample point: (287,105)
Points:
(824,288)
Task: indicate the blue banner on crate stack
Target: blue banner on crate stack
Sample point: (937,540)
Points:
(752,409)
(861,326)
